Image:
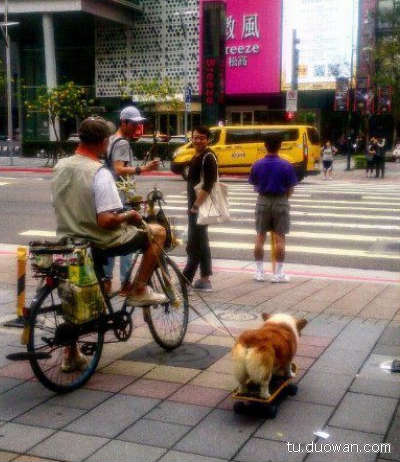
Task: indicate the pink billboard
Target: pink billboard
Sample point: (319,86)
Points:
(253,46)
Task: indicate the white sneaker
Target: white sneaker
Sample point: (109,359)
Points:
(259,276)
(148,297)
(280,278)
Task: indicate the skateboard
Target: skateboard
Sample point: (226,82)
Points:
(251,403)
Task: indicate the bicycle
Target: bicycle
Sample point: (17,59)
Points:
(49,333)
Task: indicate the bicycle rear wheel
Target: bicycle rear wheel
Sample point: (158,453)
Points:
(168,322)
(48,337)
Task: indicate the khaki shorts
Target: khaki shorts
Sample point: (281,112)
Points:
(272,214)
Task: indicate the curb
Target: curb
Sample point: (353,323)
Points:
(27,169)
(144,174)
(233,266)
(50,170)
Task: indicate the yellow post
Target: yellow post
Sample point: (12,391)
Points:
(21,271)
(273,260)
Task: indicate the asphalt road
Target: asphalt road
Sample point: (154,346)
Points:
(333,224)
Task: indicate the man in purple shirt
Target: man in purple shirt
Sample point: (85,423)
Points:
(274,180)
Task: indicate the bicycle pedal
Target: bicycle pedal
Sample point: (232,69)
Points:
(88,349)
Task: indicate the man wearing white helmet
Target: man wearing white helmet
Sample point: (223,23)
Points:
(120,162)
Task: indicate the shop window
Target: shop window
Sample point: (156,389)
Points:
(247,118)
(236,118)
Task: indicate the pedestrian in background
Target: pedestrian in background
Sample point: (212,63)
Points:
(203,169)
(273,179)
(120,161)
(380,157)
(328,151)
(370,157)
(396,151)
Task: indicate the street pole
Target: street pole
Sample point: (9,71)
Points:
(295,61)
(351,96)
(9,88)
(185,47)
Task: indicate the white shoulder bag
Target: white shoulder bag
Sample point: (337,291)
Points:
(215,209)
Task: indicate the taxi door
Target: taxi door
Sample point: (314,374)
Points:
(239,152)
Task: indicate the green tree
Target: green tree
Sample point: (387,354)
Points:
(148,92)
(64,102)
(387,54)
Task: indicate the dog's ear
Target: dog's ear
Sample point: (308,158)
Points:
(265,316)
(301,324)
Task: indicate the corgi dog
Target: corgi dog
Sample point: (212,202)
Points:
(261,353)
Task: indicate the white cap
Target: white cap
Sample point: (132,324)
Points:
(131,113)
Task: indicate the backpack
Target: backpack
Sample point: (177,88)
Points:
(108,160)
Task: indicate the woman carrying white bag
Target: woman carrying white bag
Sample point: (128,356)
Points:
(207,204)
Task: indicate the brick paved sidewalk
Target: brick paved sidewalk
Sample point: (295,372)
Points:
(147,405)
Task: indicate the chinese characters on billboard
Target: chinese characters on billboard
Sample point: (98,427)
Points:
(213,61)
(258,44)
(253,43)
(327,30)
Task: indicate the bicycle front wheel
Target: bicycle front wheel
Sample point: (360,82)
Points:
(50,336)
(168,322)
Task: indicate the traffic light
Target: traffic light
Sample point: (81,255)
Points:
(290,115)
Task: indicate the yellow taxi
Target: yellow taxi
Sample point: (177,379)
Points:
(237,147)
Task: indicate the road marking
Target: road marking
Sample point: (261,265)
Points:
(309,214)
(307,250)
(300,234)
(37,232)
(345,191)
(385,193)
(323,224)
(3,183)
(299,206)
(176,198)
(395,198)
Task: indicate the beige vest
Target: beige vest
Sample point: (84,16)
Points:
(74,203)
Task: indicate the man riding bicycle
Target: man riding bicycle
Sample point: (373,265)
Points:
(87,205)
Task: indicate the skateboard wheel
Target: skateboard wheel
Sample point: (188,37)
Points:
(239,407)
(292,389)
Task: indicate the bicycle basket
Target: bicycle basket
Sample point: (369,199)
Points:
(80,304)
(46,256)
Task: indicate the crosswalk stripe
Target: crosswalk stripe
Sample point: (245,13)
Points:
(3,183)
(300,234)
(299,202)
(299,213)
(307,250)
(394,198)
(297,198)
(351,234)
(300,206)
(39,233)
(323,224)
(347,192)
